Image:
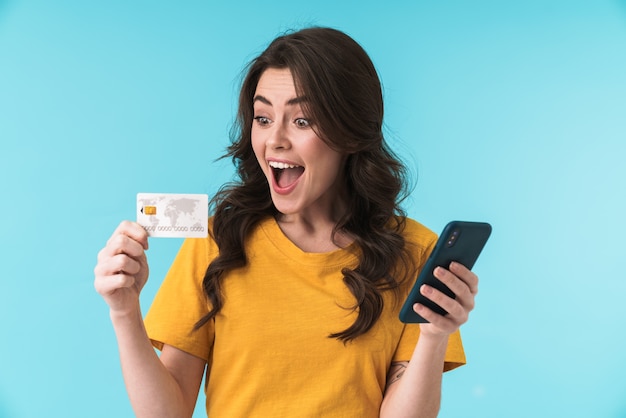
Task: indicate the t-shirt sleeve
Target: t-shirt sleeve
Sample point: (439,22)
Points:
(180,302)
(455,355)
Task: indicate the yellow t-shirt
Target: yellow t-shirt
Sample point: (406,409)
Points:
(268,350)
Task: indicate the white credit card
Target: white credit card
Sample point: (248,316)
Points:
(170,215)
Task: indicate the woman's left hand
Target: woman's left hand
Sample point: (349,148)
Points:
(464,284)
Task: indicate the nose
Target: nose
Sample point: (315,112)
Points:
(278,137)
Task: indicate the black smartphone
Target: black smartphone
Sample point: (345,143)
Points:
(461,242)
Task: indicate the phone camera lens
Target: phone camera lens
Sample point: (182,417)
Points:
(452,239)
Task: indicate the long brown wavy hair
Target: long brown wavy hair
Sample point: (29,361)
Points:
(344,99)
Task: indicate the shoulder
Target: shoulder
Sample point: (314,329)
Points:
(418,234)
(204,249)
(419,240)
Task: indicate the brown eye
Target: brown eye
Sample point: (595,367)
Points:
(302,123)
(262,120)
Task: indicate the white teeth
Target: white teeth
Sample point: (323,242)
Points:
(281,166)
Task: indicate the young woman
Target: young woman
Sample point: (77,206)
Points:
(291,305)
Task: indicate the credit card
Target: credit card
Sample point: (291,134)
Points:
(171,215)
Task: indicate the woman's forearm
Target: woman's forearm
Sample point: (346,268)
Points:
(152,390)
(418,392)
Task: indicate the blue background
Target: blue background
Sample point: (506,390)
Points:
(508,112)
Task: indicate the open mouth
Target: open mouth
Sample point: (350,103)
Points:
(285,174)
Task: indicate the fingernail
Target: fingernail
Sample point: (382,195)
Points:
(426,290)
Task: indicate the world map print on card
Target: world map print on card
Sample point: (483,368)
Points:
(170,215)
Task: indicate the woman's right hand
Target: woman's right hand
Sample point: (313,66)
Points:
(122,268)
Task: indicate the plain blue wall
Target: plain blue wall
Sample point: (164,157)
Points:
(509,112)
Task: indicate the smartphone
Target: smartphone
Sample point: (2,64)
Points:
(461,242)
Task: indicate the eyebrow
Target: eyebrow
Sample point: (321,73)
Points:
(290,102)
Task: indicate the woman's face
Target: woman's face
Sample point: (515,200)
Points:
(302,171)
